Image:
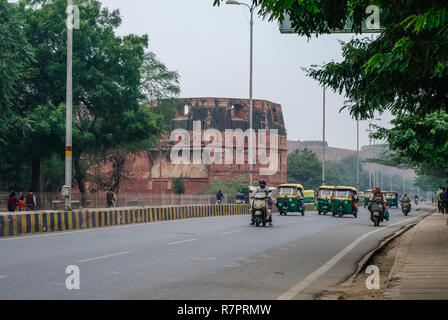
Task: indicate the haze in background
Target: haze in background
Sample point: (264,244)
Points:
(209,47)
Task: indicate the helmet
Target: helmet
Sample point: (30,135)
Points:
(262,181)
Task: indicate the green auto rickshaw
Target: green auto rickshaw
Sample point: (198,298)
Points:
(342,201)
(324,199)
(367,196)
(290,198)
(308,196)
(391,199)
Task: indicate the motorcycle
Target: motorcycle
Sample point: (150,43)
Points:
(376,211)
(110,204)
(416,201)
(240,201)
(406,207)
(259,207)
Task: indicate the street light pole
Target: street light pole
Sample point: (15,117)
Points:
(67,192)
(357,154)
(323,137)
(323,126)
(250,152)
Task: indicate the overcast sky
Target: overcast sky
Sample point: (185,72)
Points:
(209,47)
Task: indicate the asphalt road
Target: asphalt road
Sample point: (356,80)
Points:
(203,258)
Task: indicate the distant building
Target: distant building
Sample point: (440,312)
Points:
(152,171)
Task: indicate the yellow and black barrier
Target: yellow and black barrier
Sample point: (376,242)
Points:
(34,222)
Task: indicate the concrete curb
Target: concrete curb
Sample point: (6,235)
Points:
(39,222)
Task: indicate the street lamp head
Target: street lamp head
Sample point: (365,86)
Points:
(232,2)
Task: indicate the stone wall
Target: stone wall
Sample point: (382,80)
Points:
(152,171)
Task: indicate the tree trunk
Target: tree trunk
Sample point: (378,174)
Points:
(35,174)
(80,180)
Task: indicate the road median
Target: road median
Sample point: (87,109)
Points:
(18,223)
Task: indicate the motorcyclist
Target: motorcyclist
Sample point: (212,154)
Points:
(405,199)
(262,187)
(378,195)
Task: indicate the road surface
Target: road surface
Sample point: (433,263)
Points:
(202,258)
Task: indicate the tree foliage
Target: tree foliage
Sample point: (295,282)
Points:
(113,78)
(420,142)
(304,168)
(179,185)
(15,56)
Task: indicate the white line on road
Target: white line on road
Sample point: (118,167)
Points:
(3,276)
(106,256)
(183,241)
(291,293)
(229,232)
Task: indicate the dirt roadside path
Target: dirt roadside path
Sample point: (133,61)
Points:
(391,259)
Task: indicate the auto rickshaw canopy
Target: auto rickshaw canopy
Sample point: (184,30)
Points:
(337,194)
(331,188)
(308,193)
(290,185)
(391,194)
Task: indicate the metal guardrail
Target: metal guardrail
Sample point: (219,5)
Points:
(55,201)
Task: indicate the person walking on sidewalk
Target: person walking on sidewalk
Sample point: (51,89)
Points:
(219,197)
(12,202)
(22,203)
(444,199)
(439,201)
(30,201)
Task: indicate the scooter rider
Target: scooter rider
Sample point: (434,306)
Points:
(406,199)
(262,187)
(377,194)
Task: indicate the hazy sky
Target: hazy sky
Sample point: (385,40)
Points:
(209,47)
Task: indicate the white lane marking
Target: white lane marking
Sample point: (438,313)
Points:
(3,276)
(229,232)
(291,293)
(106,256)
(183,241)
(107,228)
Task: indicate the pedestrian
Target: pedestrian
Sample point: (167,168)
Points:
(219,197)
(12,202)
(439,201)
(30,201)
(22,203)
(444,199)
(111,198)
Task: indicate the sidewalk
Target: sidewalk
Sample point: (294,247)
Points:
(420,270)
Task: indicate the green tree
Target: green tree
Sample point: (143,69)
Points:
(15,56)
(404,69)
(107,85)
(419,142)
(231,186)
(178,185)
(305,168)
(157,81)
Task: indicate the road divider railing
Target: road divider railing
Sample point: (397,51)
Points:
(18,223)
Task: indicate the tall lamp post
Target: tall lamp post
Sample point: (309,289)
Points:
(66,189)
(323,127)
(357,154)
(251,9)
